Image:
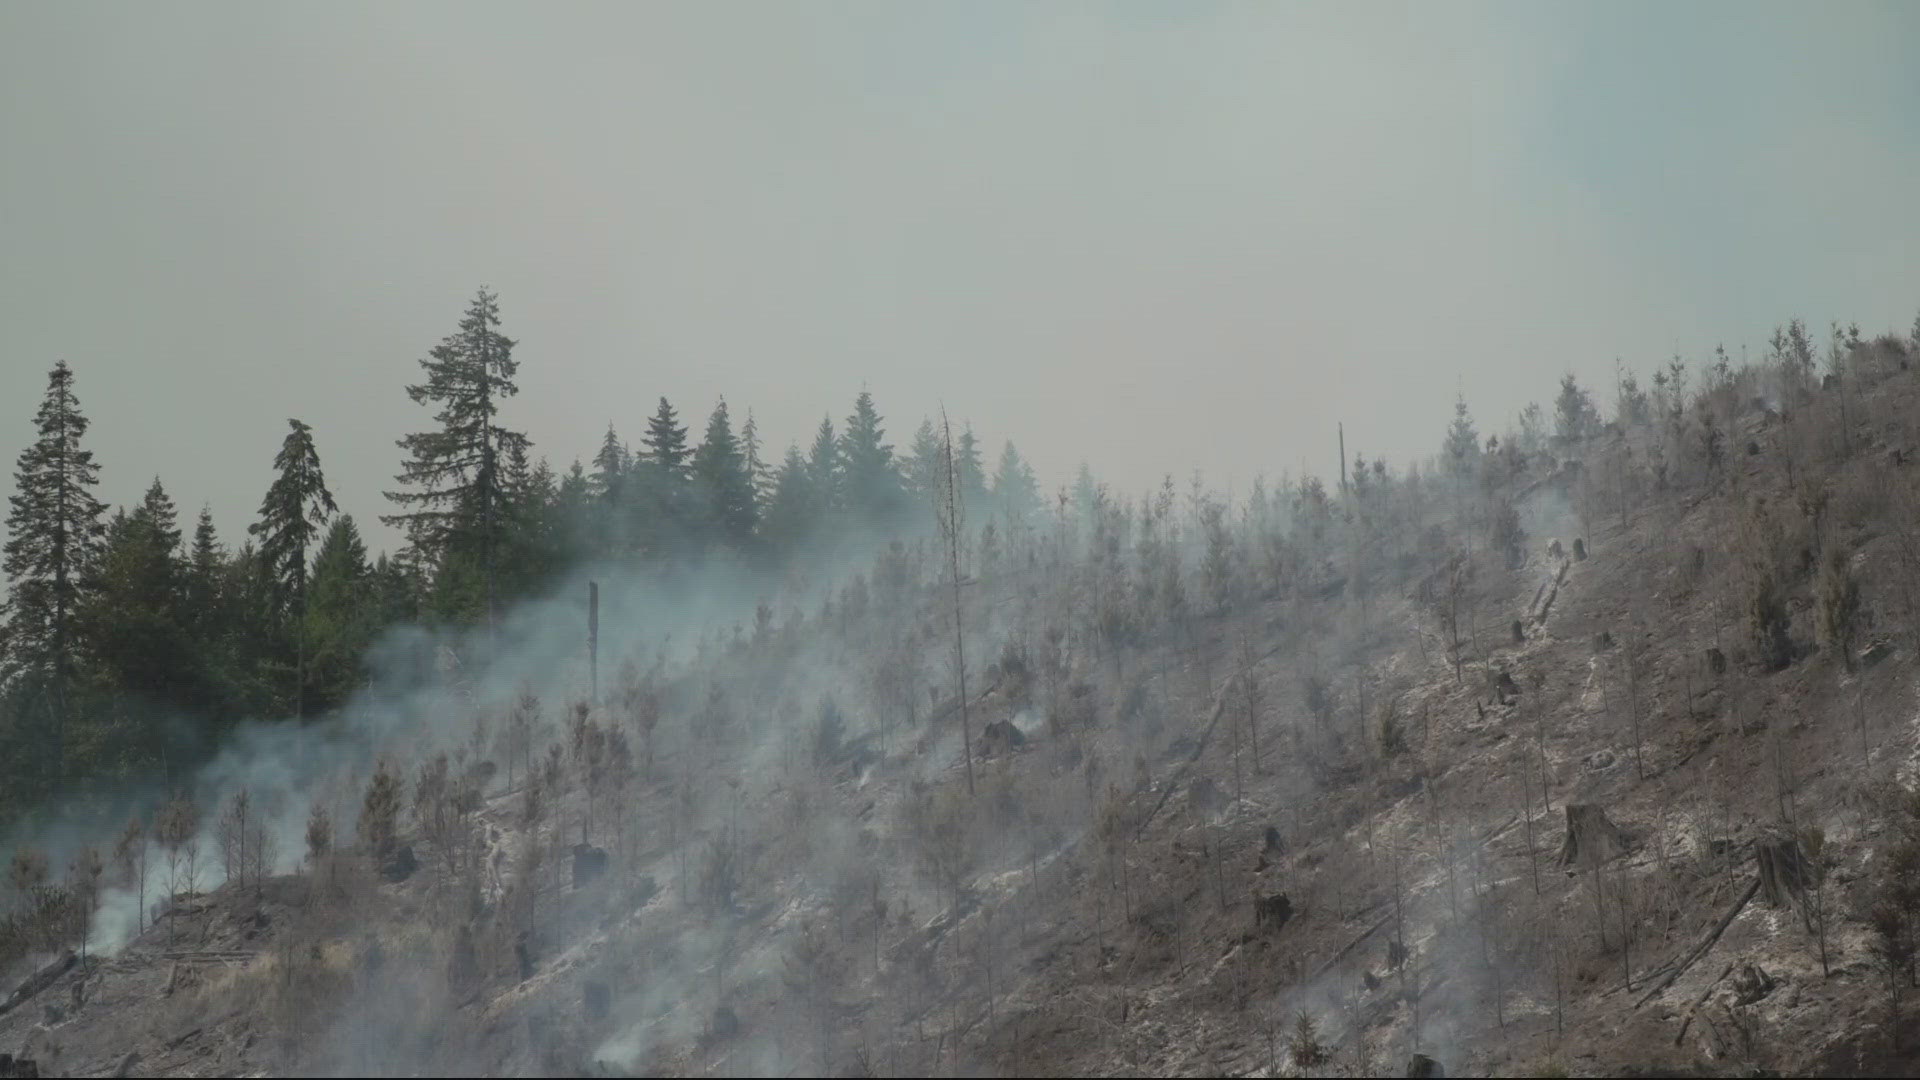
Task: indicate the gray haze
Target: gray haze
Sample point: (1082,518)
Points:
(1156,237)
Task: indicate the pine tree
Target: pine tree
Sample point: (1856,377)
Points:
(1574,414)
(456,472)
(203,572)
(296,506)
(340,617)
(135,623)
(824,471)
(872,483)
(204,606)
(572,511)
(1462,448)
(539,537)
(790,518)
(1016,493)
(54,534)
(611,470)
(758,471)
(926,464)
(1086,493)
(396,592)
(969,470)
(724,486)
(664,506)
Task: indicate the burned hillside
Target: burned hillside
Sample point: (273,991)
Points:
(1591,753)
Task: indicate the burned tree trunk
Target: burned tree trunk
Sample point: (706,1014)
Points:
(1591,836)
(1785,871)
(39,980)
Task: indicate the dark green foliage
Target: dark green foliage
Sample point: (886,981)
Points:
(662,497)
(294,511)
(871,482)
(55,533)
(723,485)
(824,475)
(790,513)
(136,625)
(341,615)
(456,496)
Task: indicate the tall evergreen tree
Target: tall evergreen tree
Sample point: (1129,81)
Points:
(664,505)
(1016,493)
(610,499)
(295,508)
(54,534)
(872,480)
(926,464)
(539,538)
(572,511)
(1574,414)
(456,473)
(1462,447)
(724,485)
(824,473)
(1086,493)
(135,624)
(970,476)
(757,468)
(203,570)
(790,512)
(204,603)
(340,618)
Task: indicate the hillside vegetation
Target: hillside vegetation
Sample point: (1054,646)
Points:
(1588,749)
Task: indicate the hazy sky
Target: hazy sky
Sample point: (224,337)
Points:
(1155,237)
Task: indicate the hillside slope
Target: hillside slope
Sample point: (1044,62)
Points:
(1290,794)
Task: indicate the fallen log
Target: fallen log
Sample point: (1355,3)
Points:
(1167,789)
(1705,945)
(38,981)
(1697,1002)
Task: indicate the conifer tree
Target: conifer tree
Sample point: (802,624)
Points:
(1086,493)
(724,486)
(296,507)
(1574,414)
(54,534)
(1462,448)
(456,473)
(871,481)
(926,464)
(396,591)
(610,500)
(790,509)
(665,505)
(135,625)
(824,472)
(340,616)
(1016,493)
(540,543)
(758,471)
(970,475)
(572,510)
(203,572)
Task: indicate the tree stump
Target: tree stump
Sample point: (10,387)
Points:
(1785,871)
(1591,836)
(1272,912)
